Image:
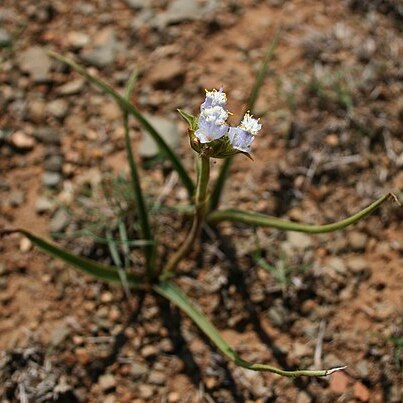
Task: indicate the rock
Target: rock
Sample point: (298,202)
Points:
(25,245)
(299,240)
(5,38)
(73,87)
(384,311)
(168,74)
(182,10)
(144,17)
(36,63)
(169,132)
(60,333)
(22,141)
(51,179)
(43,204)
(47,135)
(278,315)
(339,382)
(337,264)
(59,221)
(362,368)
(146,391)
(157,378)
(361,392)
(149,351)
(54,163)
(37,110)
(107,382)
(357,264)
(138,370)
(331,361)
(135,4)
(58,108)
(173,397)
(82,355)
(303,397)
(357,240)
(301,350)
(77,40)
(105,47)
(109,399)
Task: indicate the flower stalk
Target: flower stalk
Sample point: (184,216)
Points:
(198,218)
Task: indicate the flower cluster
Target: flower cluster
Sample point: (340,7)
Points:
(212,123)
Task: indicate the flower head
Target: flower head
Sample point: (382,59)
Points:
(214,98)
(211,125)
(250,124)
(212,119)
(241,137)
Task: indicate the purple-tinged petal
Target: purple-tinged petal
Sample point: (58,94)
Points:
(240,139)
(209,131)
(214,98)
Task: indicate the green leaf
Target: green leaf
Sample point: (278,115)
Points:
(257,219)
(254,94)
(189,119)
(149,250)
(130,108)
(96,269)
(171,292)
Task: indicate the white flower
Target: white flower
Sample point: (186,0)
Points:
(214,98)
(250,124)
(241,137)
(212,118)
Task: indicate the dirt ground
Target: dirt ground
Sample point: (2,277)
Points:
(331,143)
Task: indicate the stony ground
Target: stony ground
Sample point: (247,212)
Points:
(332,114)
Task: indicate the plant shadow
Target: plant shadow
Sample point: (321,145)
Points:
(172,321)
(98,367)
(237,278)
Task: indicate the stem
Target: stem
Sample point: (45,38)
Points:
(199,214)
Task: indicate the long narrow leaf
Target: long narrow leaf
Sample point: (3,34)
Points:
(118,262)
(257,219)
(96,269)
(138,194)
(250,105)
(163,146)
(178,298)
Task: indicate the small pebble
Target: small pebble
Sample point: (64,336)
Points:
(51,179)
(59,221)
(5,38)
(43,204)
(107,382)
(25,245)
(22,141)
(58,108)
(157,378)
(54,163)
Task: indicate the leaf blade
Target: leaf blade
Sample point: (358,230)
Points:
(171,292)
(250,105)
(149,250)
(257,219)
(130,108)
(88,266)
